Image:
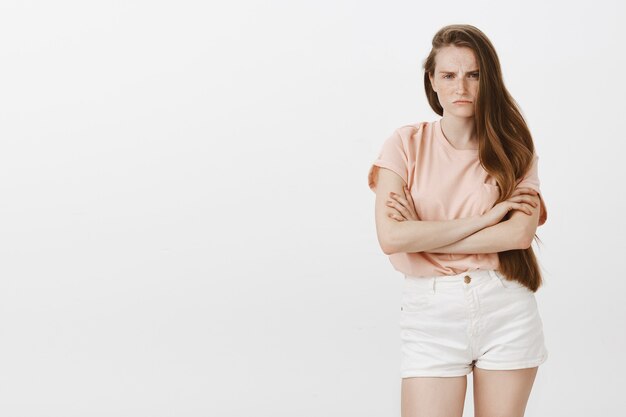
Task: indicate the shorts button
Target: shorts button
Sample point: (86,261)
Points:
(468,279)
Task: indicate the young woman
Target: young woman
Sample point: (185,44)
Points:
(457,207)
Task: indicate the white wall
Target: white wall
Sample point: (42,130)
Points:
(186,227)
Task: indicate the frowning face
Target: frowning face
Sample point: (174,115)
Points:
(456,80)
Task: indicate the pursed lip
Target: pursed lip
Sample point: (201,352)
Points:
(462,101)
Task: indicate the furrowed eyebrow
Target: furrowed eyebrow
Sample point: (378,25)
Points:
(452,72)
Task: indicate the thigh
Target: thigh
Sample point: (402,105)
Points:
(433,396)
(502,393)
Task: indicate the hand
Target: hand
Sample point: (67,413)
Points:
(520,200)
(403,206)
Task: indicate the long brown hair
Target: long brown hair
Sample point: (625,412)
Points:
(506,147)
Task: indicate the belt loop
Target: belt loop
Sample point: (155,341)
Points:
(432,284)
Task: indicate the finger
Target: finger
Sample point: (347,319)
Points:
(525,190)
(399,198)
(407,205)
(524,199)
(402,212)
(400,204)
(524,208)
(393,205)
(396,217)
(528,198)
(515,206)
(409,198)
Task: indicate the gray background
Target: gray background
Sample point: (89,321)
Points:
(185,223)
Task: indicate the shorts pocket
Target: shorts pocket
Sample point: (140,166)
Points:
(414,302)
(415,296)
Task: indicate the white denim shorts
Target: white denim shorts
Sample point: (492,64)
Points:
(451,323)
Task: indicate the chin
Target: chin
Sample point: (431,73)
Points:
(462,113)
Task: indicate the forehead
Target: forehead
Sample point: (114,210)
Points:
(454,58)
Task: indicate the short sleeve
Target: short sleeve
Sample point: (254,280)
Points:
(531,180)
(393,156)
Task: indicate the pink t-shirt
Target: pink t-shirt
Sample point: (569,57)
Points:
(446,183)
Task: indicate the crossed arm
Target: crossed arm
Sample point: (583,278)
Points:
(515,233)
(466,235)
(469,235)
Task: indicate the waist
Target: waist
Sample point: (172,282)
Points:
(475,277)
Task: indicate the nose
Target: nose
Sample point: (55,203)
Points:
(460,87)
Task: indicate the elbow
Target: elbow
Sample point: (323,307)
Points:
(394,242)
(521,232)
(389,251)
(390,239)
(526,237)
(387,247)
(525,244)
(387,244)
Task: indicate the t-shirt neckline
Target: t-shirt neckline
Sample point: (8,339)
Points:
(464,153)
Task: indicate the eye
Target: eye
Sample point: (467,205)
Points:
(474,74)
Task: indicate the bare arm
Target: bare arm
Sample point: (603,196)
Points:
(515,233)
(415,236)
(426,236)
(528,224)
(506,235)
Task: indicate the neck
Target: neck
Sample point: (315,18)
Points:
(459,131)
